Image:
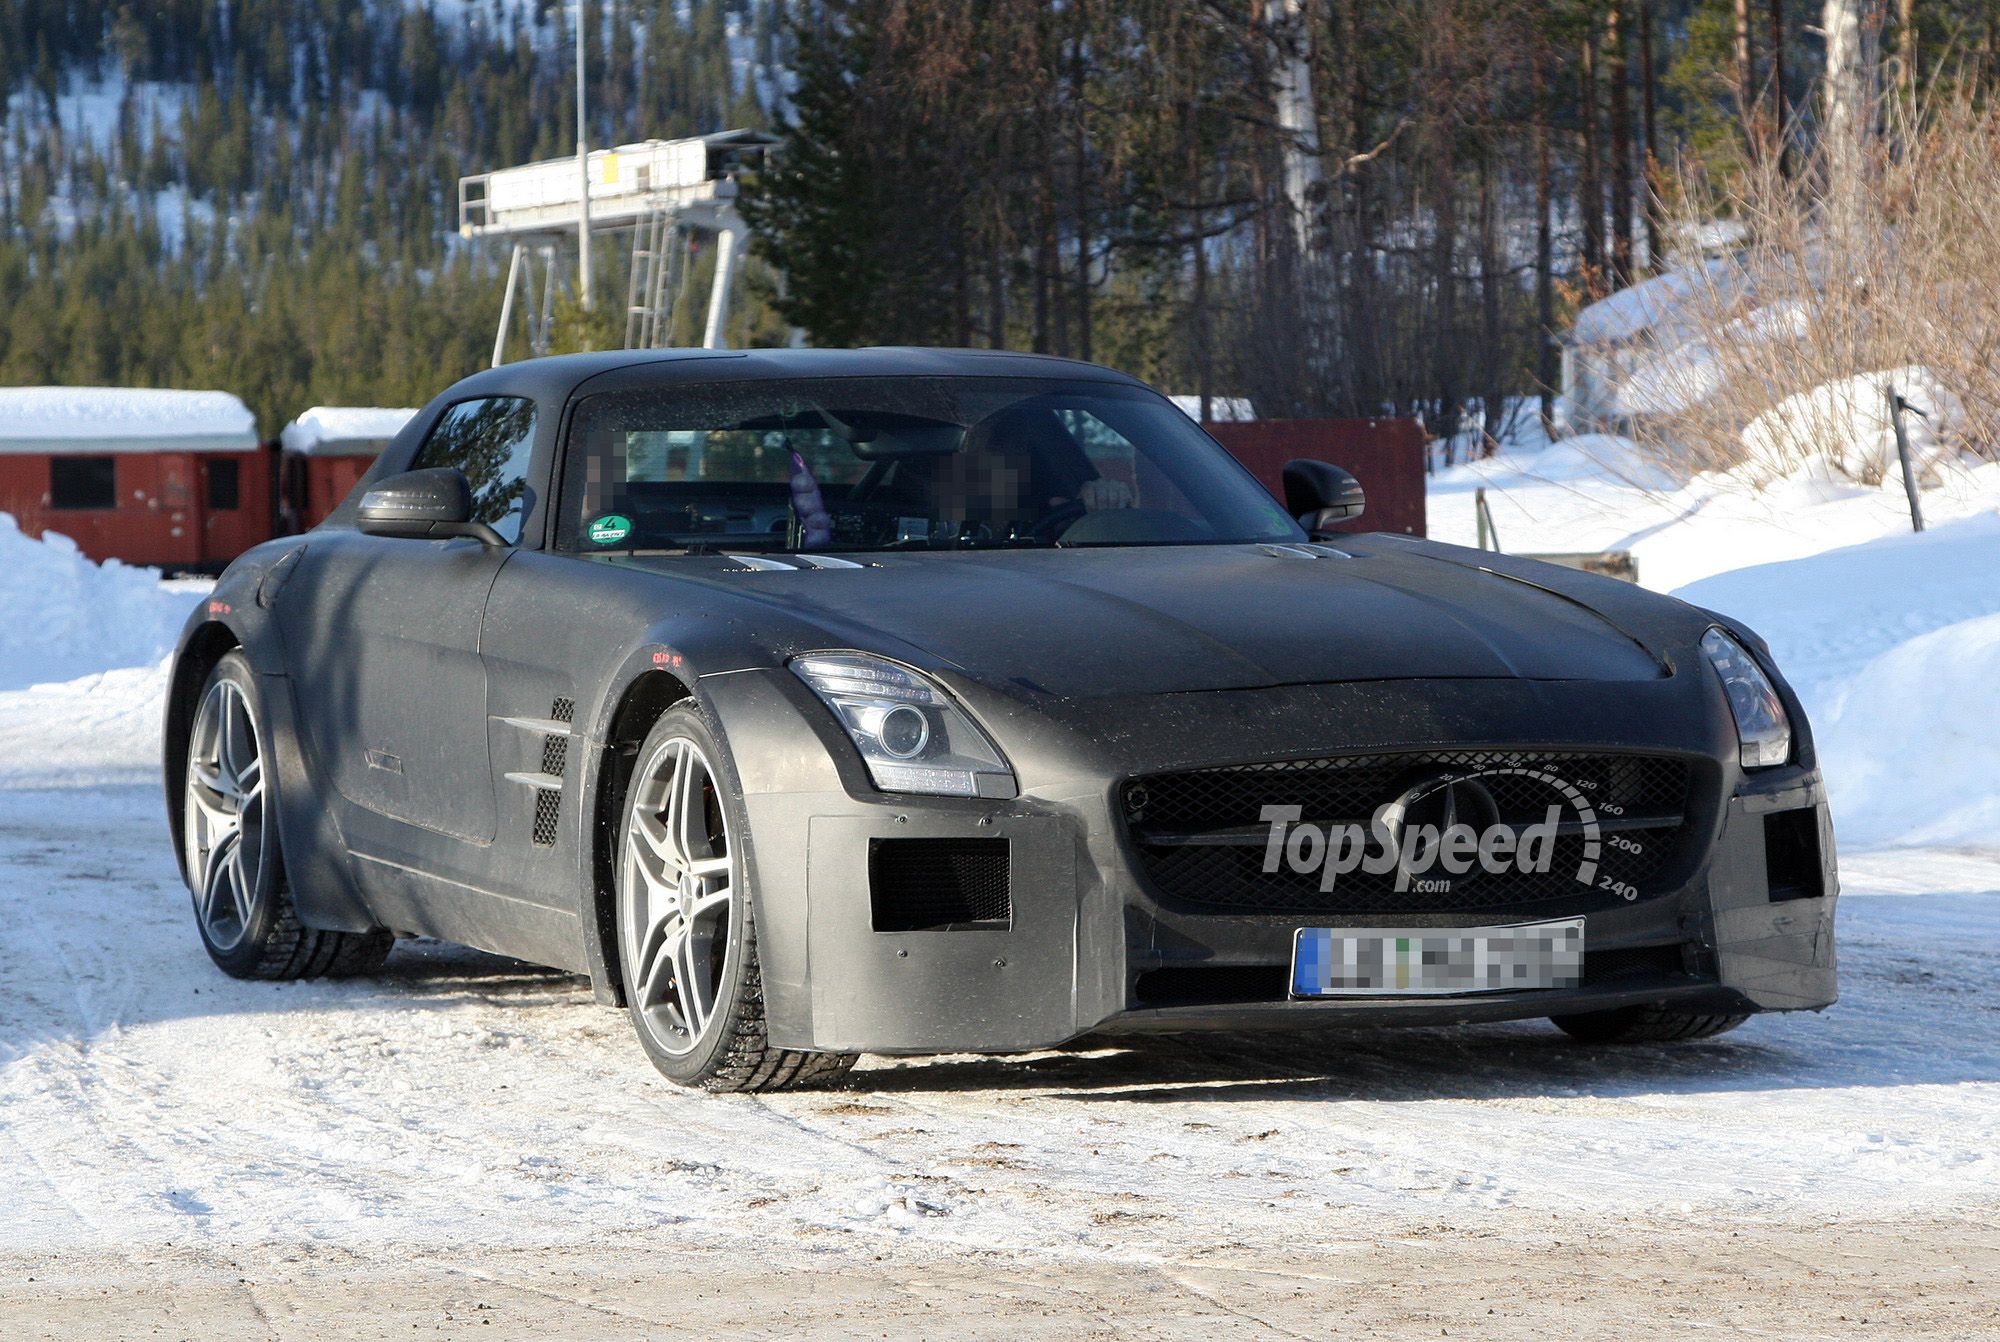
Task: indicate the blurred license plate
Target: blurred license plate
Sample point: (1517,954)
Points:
(1391,961)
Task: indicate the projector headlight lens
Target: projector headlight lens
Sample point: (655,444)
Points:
(911,736)
(1763,731)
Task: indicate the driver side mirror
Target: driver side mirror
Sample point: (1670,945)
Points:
(1321,494)
(434,504)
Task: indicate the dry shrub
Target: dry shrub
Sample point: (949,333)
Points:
(1897,275)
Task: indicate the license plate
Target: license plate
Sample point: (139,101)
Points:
(1418,961)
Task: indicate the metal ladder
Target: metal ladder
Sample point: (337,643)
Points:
(658,269)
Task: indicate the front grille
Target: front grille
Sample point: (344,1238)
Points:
(1623,819)
(919,885)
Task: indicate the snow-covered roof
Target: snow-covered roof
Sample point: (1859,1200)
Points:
(123,419)
(1650,305)
(344,430)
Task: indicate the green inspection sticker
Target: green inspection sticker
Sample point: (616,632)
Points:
(610,529)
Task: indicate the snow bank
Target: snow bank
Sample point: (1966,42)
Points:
(83,651)
(62,616)
(107,419)
(1602,492)
(1913,753)
(345,429)
(1894,647)
(1847,423)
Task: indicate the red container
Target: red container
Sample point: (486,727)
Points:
(1385,455)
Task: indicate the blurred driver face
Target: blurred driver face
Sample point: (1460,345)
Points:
(985,485)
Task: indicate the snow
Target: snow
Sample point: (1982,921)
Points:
(1651,307)
(344,429)
(63,617)
(1847,424)
(458,1099)
(1894,646)
(123,419)
(1600,492)
(1221,409)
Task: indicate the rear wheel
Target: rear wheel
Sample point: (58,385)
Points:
(229,840)
(1645,1025)
(687,936)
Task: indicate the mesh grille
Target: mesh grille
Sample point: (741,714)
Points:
(924,884)
(563,710)
(555,754)
(1201,842)
(548,803)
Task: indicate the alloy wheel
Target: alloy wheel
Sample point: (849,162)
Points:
(224,815)
(678,887)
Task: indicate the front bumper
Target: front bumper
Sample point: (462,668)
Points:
(1090,948)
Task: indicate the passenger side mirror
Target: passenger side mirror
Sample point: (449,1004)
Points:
(434,504)
(1321,494)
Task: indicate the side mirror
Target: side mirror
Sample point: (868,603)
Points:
(423,505)
(1321,494)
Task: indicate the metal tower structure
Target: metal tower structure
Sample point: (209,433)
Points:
(664,192)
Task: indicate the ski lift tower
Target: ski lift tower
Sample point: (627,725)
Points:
(666,193)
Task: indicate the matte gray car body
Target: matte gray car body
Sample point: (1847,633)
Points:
(410,685)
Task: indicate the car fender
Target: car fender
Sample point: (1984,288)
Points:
(237,613)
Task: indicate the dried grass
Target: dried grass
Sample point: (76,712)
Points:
(1902,271)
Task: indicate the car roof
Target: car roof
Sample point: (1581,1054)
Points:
(557,377)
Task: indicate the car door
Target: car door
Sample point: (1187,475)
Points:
(384,634)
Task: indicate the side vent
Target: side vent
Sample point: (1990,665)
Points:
(932,885)
(548,805)
(549,783)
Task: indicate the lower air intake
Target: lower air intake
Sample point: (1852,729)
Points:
(924,885)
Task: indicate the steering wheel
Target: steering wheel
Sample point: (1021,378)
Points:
(1050,529)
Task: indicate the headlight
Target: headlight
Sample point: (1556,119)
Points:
(1762,729)
(911,736)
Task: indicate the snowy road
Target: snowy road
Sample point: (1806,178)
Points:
(148,1104)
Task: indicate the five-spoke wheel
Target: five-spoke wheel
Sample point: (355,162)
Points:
(687,940)
(224,815)
(229,844)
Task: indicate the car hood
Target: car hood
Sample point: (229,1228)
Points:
(1080,623)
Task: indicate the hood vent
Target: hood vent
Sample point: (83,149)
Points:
(792,564)
(1311,550)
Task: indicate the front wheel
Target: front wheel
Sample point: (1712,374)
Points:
(1645,1025)
(229,847)
(687,936)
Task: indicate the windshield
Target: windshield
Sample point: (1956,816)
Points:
(900,463)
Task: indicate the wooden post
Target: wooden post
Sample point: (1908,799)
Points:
(1897,405)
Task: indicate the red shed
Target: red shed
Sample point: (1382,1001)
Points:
(175,479)
(1385,455)
(326,450)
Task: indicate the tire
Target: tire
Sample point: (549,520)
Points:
(1645,1025)
(687,935)
(230,854)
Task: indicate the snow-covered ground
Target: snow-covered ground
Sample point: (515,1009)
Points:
(148,1105)
(460,1098)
